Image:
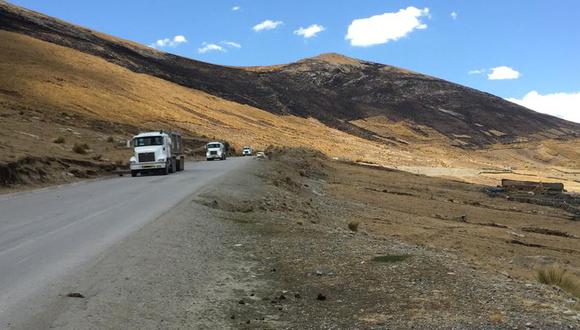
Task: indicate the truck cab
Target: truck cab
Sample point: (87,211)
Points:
(215,150)
(157,152)
(247,151)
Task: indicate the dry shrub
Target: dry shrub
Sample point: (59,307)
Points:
(110,139)
(59,140)
(559,277)
(81,148)
(353,225)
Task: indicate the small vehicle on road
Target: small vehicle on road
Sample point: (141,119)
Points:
(158,151)
(247,151)
(215,150)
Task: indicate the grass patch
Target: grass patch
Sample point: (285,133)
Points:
(390,258)
(110,139)
(561,278)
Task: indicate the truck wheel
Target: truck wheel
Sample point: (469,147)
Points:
(165,170)
(172,166)
(182,163)
(178,165)
(133,173)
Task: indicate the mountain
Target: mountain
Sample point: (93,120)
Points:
(358,97)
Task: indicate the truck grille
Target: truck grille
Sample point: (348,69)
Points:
(213,152)
(147,157)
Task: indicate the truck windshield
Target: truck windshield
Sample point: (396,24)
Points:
(214,145)
(148,141)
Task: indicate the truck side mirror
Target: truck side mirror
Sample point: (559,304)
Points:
(130,143)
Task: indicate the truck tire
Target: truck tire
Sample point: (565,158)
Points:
(182,163)
(165,170)
(133,173)
(172,166)
(177,164)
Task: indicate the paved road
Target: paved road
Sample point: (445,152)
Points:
(48,233)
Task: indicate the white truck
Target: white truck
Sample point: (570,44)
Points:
(247,151)
(159,151)
(215,150)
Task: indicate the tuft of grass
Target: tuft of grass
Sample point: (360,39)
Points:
(81,148)
(559,277)
(496,318)
(392,258)
(59,140)
(353,225)
(110,139)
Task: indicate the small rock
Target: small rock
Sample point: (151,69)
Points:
(282,297)
(297,296)
(75,295)
(321,297)
(242,302)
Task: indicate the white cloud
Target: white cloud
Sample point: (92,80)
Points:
(503,72)
(563,105)
(267,25)
(169,42)
(210,48)
(479,71)
(380,29)
(310,31)
(236,8)
(453,15)
(232,44)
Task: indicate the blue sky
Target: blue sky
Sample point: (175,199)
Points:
(534,45)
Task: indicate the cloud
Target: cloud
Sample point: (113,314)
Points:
(210,48)
(503,72)
(453,15)
(310,31)
(563,105)
(380,29)
(232,44)
(267,25)
(479,71)
(236,8)
(169,42)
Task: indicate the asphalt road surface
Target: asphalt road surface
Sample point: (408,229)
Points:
(47,234)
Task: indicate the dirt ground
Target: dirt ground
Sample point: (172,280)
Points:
(411,264)
(270,247)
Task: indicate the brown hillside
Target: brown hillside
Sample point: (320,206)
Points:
(340,92)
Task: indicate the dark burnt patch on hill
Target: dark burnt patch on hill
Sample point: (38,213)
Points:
(331,88)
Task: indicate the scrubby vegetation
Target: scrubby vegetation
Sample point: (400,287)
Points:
(561,278)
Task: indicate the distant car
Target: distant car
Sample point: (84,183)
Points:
(260,154)
(247,151)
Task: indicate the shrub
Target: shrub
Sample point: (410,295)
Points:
(59,140)
(559,277)
(110,139)
(80,148)
(353,226)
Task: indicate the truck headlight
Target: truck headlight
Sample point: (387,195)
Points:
(133,160)
(161,160)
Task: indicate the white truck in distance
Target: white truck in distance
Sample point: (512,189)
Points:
(215,150)
(158,151)
(247,151)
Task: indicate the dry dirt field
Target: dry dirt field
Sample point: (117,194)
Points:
(427,253)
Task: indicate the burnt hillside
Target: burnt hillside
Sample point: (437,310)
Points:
(330,87)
